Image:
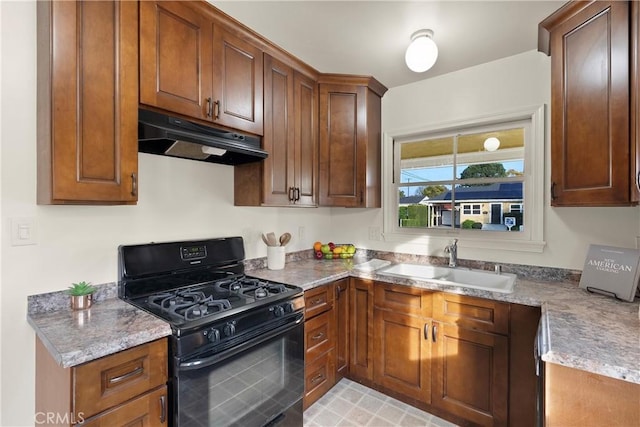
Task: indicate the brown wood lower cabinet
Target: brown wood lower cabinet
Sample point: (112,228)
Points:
(465,359)
(470,374)
(125,388)
(402,354)
(342,327)
(319,343)
(579,398)
(361,330)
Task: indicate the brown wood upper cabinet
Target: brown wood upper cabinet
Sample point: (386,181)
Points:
(197,67)
(87,102)
(591,160)
(289,176)
(350,141)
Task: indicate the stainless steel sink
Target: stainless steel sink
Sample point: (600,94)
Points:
(468,278)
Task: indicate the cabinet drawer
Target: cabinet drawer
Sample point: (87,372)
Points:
(145,411)
(403,299)
(318,335)
(473,313)
(319,377)
(112,380)
(318,300)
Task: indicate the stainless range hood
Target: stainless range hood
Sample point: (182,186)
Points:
(170,136)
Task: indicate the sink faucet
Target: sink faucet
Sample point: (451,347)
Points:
(452,250)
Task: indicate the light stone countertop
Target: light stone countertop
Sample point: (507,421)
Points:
(109,326)
(580,330)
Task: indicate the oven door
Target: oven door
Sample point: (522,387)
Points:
(252,384)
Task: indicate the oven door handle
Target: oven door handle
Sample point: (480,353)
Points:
(208,361)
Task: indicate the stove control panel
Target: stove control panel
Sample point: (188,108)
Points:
(189,253)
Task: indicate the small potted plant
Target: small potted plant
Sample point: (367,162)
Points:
(81,295)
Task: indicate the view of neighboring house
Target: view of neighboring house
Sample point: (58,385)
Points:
(487,205)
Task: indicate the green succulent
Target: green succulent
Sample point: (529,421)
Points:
(81,288)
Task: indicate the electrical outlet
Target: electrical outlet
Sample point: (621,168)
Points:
(637,242)
(301,233)
(374,233)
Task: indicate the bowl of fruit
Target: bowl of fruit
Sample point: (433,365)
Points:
(333,250)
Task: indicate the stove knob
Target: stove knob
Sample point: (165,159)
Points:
(288,307)
(278,311)
(213,335)
(229,329)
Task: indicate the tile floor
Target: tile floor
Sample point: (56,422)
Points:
(350,404)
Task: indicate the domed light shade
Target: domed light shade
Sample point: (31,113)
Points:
(491,144)
(422,52)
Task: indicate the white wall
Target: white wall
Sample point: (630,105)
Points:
(179,199)
(496,87)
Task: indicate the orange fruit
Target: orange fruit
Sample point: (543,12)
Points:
(317,246)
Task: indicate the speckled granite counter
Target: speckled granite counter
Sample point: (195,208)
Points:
(109,326)
(580,330)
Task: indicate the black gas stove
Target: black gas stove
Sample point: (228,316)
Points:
(220,317)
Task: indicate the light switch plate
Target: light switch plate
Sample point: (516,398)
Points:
(374,233)
(24,231)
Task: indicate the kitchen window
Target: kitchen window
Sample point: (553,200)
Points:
(471,179)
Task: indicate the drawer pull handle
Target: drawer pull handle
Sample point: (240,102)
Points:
(163,409)
(316,302)
(426,331)
(317,336)
(317,378)
(434,332)
(116,380)
(216,110)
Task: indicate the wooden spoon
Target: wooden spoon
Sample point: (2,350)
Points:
(264,239)
(271,237)
(284,239)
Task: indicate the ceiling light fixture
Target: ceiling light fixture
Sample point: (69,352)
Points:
(491,144)
(422,52)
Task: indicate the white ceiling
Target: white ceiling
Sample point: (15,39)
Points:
(370,37)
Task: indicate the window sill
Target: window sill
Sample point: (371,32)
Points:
(531,246)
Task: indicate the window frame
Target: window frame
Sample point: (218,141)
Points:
(529,240)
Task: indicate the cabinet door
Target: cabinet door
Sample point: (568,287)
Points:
(402,354)
(635,101)
(148,410)
(88,112)
(470,374)
(342,145)
(361,320)
(175,58)
(590,107)
(278,141)
(306,140)
(341,311)
(237,82)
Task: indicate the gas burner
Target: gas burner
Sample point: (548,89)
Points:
(188,305)
(260,293)
(198,311)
